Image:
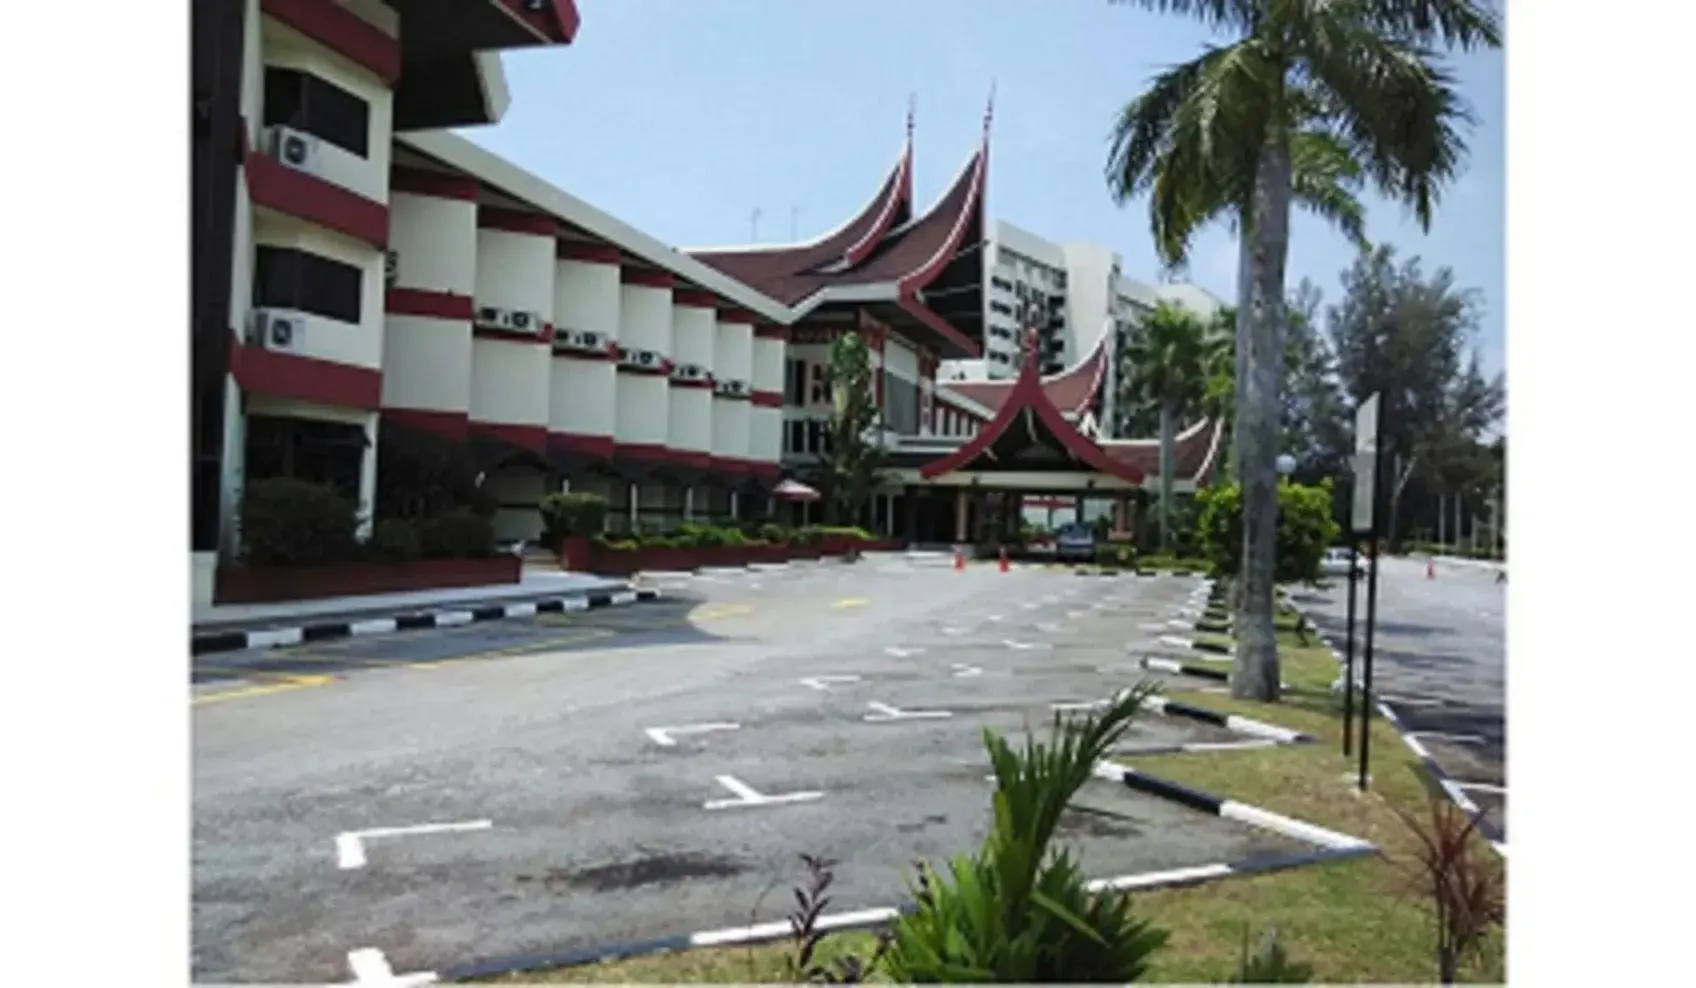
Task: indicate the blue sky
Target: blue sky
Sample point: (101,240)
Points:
(683,117)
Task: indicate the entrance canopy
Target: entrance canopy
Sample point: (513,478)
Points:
(1030,444)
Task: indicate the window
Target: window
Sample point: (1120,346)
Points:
(901,405)
(1002,283)
(795,437)
(1001,307)
(306,449)
(818,436)
(285,278)
(307,103)
(821,387)
(795,384)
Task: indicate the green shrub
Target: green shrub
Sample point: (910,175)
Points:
(614,543)
(395,540)
(1305,528)
(1019,911)
(572,514)
(774,533)
(288,522)
(459,534)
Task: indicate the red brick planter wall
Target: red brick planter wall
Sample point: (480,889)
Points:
(267,584)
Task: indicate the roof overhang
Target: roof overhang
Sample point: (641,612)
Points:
(450,67)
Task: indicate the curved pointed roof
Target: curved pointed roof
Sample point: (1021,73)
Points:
(787,272)
(1071,390)
(1195,451)
(1026,422)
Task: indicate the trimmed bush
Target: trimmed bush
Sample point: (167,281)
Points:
(572,514)
(395,540)
(1305,528)
(776,534)
(459,534)
(288,522)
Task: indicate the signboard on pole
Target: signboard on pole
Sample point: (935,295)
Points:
(1365,465)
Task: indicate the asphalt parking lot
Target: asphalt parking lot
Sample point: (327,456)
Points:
(1440,664)
(532,785)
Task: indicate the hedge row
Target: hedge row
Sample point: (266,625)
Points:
(287,522)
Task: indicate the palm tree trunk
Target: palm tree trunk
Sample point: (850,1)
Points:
(1165,475)
(1255,674)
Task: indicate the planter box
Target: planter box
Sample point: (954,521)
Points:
(269,584)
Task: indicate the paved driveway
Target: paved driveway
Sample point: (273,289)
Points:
(1440,664)
(529,797)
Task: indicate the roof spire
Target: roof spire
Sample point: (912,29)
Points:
(989,110)
(912,101)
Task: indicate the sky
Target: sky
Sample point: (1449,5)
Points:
(683,118)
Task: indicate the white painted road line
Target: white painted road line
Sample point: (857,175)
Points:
(663,736)
(1484,787)
(1025,646)
(952,630)
(1049,627)
(350,846)
(993,618)
(885,712)
(748,796)
(1152,626)
(1451,738)
(824,683)
(370,967)
(964,671)
(902,653)
(1074,615)
(1409,701)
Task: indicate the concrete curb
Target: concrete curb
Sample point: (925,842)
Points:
(232,641)
(861,919)
(1230,809)
(1186,669)
(1438,774)
(1230,722)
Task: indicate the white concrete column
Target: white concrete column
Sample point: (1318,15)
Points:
(735,505)
(368,478)
(688,504)
(635,507)
(960,505)
(231,470)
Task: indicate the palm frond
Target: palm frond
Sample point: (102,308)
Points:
(1143,130)
(1399,112)
(1459,24)
(1240,14)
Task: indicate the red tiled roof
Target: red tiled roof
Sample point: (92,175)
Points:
(1071,390)
(1028,400)
(1195,452)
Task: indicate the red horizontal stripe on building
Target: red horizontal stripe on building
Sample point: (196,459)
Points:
(342,31)
(705,382)
(450,425)
(530,437)
(771,331)
(652,452)
(731,313)
(288,375)
(516,221)
(608,357)
(582,445)
(422,302)
(768,399)
(647,277)
(694,298)
(577,250)
(274,185)
(544,338)
(419,182)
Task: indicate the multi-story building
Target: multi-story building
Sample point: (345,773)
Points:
(367,283)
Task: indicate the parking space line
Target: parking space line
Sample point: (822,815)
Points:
(282,686)
(350,844)
(848,602)
(748,796)
(370,967)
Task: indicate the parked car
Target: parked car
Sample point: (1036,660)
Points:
(1336,563)
(1074,542)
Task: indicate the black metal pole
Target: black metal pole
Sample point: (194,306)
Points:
(1348,649)
(1371,599)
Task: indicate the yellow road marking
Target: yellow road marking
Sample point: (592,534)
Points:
(281,686)
(847,602)
(530,648)
(715,612)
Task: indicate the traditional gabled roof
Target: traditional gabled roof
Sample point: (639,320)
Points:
(1072,390)
(1195,452)
(1027,418)
(790,272)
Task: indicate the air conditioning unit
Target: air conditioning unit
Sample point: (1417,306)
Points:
(520,321)
(648,358)
(490,317)
(293,148)
(731,388)
(282,330)
(690,372)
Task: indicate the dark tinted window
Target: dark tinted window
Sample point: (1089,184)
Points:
(321,452)
(795,383)
(285,278)
(325,110)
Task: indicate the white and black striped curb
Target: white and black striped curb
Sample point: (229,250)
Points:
(1340,847)
(230,641)
(1178,641)
(1438,774)
(1230,722)
(1230,809)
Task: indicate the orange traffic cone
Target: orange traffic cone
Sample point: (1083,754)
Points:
(1430,570)
(1003,560)
(959,558)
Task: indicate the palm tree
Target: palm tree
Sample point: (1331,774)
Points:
(1169,357)
(1351,84)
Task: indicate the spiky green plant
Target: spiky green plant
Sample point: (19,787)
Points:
(1019,910)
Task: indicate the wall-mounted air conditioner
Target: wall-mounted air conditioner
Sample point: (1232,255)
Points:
(489,317)
(582,340)
(294,148)
(690,372)
(281,330)
(641,359)
(731,388)
(507,320)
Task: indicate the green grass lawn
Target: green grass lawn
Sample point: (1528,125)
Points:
(1355,921)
